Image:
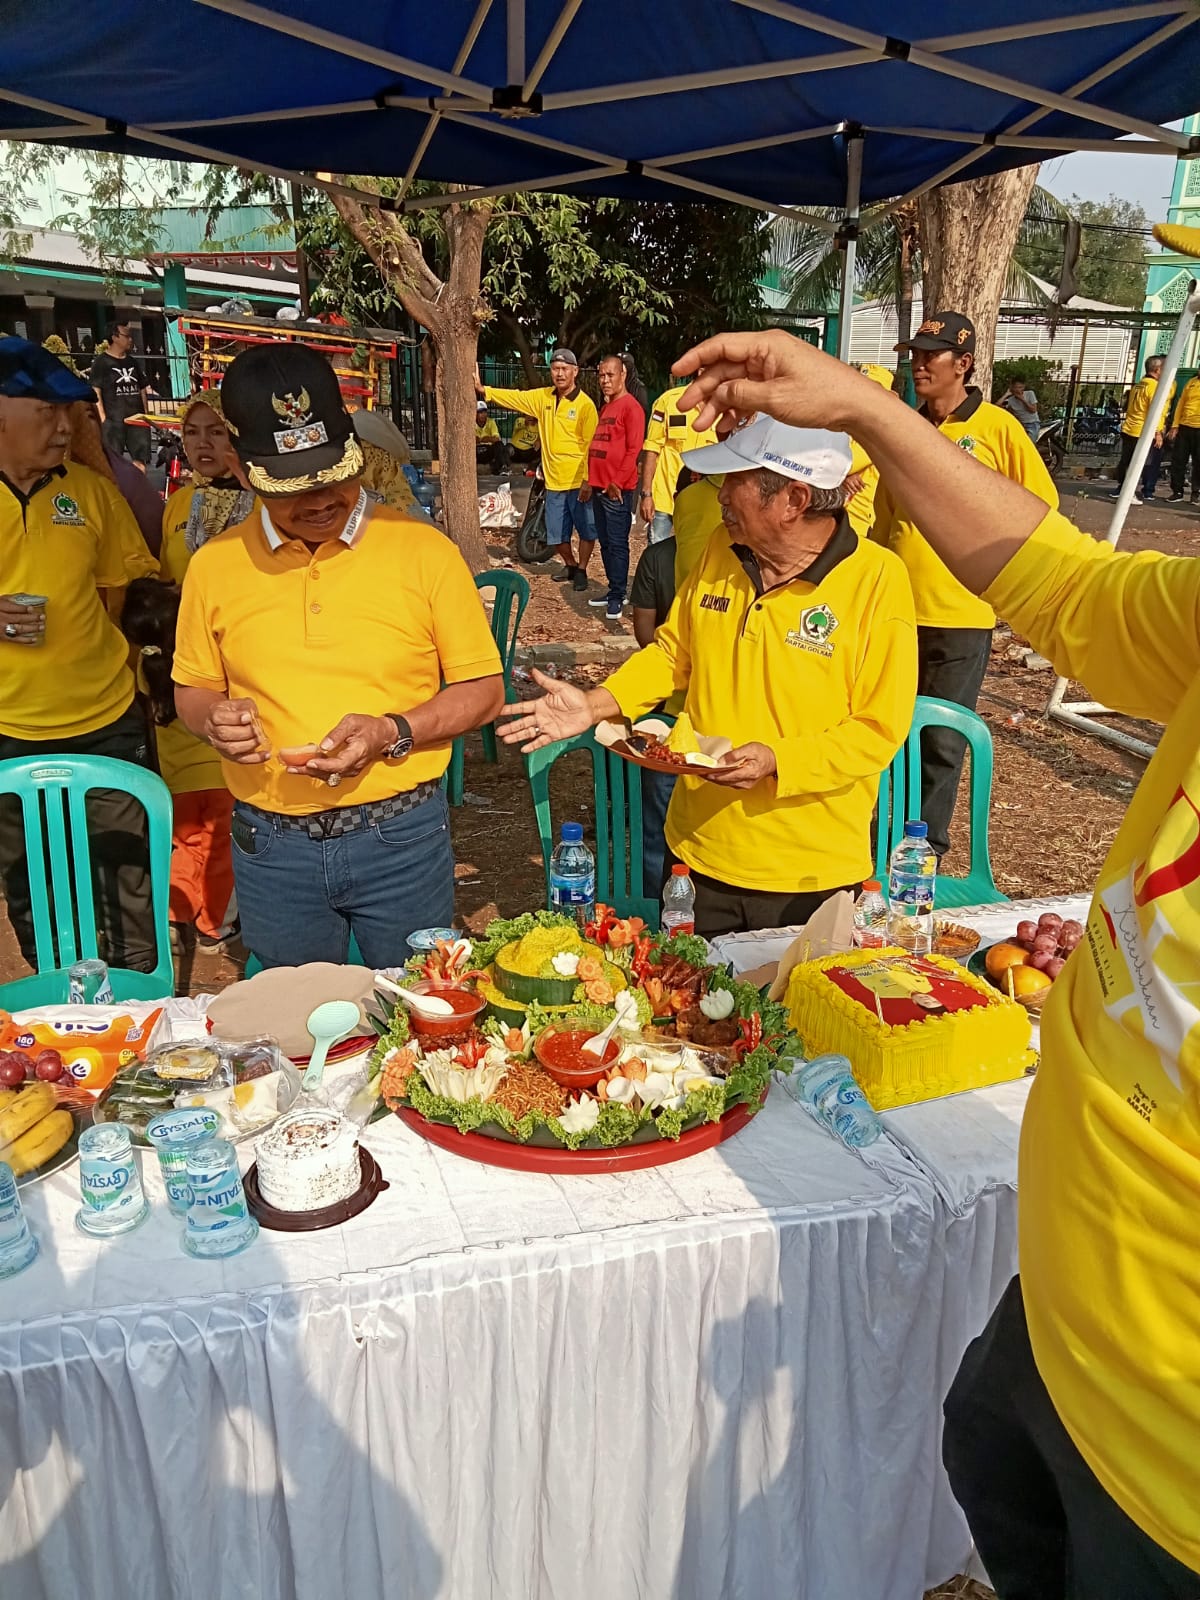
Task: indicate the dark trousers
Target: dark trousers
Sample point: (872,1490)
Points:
(1044,1526)
(493,454)
(1150,470)
(124,440)
(1184,452)
(117,834)
(614,518)
(657,789)
(951,663)
(724,908)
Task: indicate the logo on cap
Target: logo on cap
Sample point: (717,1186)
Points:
(933,326)
(304,433)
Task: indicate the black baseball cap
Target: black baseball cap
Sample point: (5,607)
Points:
(284,411)
(29,372)
(943,330)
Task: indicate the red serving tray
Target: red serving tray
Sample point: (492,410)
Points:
(540,1158)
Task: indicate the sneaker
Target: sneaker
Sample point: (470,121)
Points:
(613,614)
(600,600)
(565,575)
(579,579)
(1195,499)
(1175,500)
(1136,501)
(1114,494)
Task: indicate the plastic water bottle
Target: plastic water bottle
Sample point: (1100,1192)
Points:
(18,1247)
(573,875)
(679,902)
(826,1086)
(911,883)
(870,917)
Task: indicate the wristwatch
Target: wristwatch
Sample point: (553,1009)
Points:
(405,741)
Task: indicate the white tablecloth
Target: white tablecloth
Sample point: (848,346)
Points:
(711,1380)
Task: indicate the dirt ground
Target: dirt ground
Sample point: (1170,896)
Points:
(1057,797)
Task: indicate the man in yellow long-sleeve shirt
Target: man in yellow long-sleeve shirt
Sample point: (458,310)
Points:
(1136,409)
(1073,1428)
(566,419)
(792,637)
(1184,439)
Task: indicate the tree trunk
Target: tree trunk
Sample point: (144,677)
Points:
(524,348)
(904,287)
(452,312)
(968,233)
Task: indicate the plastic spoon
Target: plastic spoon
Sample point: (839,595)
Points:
(328,1023)
(597,1045)
(429,1005)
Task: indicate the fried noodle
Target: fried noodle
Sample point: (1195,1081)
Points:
(527,1088)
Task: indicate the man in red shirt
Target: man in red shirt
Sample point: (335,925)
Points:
(612,478)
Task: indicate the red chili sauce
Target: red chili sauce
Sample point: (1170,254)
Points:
(562,1054)
(465,1005)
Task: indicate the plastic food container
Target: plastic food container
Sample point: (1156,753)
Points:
(559,1048)
(467,1008)
(423,940)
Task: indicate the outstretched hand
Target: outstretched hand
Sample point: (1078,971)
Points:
(739,374)
(560,713)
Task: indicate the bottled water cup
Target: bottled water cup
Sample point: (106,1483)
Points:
(18,1247)
(828,1088)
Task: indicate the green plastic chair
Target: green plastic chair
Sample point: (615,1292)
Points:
(508,607)
(617,787)
(900,799)
(52,790)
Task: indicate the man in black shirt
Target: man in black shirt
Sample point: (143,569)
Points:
(122,391)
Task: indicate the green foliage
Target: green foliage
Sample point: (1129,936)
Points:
(1035,371)
(1112,265)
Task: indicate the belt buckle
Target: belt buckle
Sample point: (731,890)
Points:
(320,825)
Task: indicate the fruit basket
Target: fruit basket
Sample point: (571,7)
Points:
(688,1065)
(1025,966)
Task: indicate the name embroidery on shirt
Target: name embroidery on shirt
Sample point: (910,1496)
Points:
(714,602)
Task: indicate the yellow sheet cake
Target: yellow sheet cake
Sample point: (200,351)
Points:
(912,1027)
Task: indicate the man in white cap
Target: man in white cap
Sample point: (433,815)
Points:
(796,640)
(566,419)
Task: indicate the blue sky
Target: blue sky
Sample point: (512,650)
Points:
(1094,176)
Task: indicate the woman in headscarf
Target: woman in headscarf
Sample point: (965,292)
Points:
(217,497)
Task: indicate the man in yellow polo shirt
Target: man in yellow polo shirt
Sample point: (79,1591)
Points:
(954,627)
(1073,1428)
(668,434)
(793,638)
(1137,408)
(1184,439)
(68,541)
(566,419)
(329,649)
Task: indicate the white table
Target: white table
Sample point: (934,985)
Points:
(711,1380)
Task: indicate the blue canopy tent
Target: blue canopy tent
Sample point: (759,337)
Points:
(759,102)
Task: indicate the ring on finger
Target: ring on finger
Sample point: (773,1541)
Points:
(10,630)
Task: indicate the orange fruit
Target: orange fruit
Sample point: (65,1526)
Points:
(1002,956)
(1028,980)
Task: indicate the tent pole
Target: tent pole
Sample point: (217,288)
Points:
(854,160)
(1080,715)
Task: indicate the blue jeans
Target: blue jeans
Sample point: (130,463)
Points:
(565,511)
(662,526)
(614,518)
(657,789)
(300,898)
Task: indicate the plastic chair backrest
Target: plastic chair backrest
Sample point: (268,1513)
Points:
(52,791)
(900,799)
(617,787)
(508,607)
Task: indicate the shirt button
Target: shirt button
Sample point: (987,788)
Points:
(314,608)
(314,574)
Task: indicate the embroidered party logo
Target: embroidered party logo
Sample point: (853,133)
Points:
(66,512)
(816,625)
(966,443)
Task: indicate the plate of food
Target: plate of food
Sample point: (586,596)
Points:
(39,1128)
(688,1064)
(1026,965)
(662,747)
(248,1083)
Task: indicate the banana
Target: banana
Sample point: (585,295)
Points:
(7,1096)
(33,1103)
(45,1139)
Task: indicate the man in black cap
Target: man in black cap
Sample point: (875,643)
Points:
(329,649)
(68,542)
(954,626)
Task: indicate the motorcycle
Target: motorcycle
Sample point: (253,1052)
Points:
(532,547)
(1050,445)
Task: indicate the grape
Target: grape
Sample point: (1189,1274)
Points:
(26,1061)
(1068,941)
(1041,959)
(1047,942)
(1072,927)
(1049,920)
(48,1066)
(12,1073)
(1054,966)
(1026,933)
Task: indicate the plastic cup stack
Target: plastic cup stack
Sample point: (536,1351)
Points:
(218,1220)
(174,1134)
